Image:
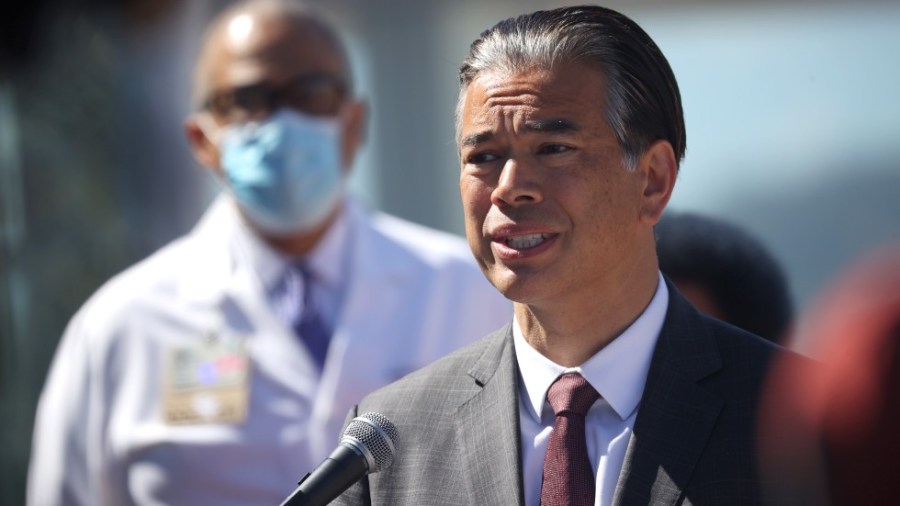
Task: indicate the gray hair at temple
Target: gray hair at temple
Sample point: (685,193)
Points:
(643,102)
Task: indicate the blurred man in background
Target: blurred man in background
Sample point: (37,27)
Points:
(220,369)
(725,272)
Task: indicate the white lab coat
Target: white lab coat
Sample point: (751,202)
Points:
(99,437)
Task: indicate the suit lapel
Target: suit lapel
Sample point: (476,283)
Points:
(676,415)
(488,426)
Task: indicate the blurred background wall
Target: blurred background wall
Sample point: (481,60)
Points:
(792,110)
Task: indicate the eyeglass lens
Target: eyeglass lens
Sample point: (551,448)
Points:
(316,94)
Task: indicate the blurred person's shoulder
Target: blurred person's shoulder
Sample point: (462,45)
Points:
(184,275)
(436,248)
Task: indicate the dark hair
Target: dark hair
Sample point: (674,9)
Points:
(643,102)
(735,269)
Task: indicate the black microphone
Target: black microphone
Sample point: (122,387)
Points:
(367,446)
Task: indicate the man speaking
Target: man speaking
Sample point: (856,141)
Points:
(607,387)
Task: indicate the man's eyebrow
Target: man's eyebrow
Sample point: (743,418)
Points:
(553,125)
(475,139)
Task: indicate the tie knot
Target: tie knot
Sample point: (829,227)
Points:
(571,394)
(301,268)
(302,277)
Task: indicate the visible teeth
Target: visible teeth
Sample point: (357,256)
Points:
(525,241)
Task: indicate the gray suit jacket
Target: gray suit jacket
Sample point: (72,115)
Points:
(694,439)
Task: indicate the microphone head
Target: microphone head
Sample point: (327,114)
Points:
(373,435)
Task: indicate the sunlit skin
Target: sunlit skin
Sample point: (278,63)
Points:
(539,162)
(253,46)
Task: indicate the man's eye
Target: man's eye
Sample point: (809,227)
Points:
(552,149)
(252,99)
(480,158)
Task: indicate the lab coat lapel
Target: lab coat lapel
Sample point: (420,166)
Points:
(676,416)
(247,312)
(226,282)
(488,427)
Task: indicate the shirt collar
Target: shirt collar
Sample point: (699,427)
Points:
(330,258)
(618,371)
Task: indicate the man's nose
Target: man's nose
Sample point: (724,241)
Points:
(519,183)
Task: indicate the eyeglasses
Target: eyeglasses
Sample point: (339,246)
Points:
(316,94)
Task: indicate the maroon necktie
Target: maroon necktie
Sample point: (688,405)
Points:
(568,474)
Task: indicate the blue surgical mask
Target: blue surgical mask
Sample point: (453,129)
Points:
(285,172)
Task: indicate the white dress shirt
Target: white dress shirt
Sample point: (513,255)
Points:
(618,372)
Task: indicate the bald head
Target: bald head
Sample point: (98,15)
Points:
(266,40)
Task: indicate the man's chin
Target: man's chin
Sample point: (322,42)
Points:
(513,286)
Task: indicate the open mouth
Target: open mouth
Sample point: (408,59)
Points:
(527,241)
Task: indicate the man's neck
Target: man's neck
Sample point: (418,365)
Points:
(571,333)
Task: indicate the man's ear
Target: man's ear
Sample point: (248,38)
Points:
(203,148)
(354,133)
(660,169)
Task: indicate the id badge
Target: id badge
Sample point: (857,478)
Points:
(208,382)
